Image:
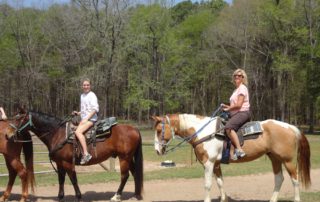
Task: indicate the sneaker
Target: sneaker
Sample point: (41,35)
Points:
(85,159)
(238,154)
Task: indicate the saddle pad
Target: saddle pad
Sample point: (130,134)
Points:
(250,128)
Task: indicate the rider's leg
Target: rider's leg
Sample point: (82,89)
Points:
(80,135)
(234,138)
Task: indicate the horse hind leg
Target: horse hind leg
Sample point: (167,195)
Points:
(124,169)
(278,177)
(291,168)
(134,174)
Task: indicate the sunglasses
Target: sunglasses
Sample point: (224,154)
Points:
(238,76)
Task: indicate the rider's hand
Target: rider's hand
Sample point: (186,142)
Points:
(224,107)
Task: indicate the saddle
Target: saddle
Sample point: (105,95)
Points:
(97,133)
(250,130)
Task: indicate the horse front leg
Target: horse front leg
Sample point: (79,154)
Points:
(73,178)
(208,170)
(218,176)
(16,167)
(61,178)
(124,169)
(12,177)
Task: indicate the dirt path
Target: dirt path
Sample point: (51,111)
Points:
(252,188)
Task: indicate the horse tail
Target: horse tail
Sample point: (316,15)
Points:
(138,167)
(28,157)
(303,160)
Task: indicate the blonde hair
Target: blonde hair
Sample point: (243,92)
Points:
(243,73)
(85,79)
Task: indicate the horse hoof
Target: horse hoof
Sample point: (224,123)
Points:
(224,200)
(136,198)
(116,198)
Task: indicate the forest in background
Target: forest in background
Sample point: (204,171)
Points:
(159,57)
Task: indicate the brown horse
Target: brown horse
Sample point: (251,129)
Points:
(124,142)
(280,141)
(11,151)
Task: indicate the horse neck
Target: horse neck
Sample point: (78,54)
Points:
(185,126)
(197,126)
(47,136)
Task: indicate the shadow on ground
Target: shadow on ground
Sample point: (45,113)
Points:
(106,196)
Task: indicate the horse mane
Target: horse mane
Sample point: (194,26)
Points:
(48,121)
(194,118)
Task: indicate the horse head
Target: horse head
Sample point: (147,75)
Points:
(164,133)
(19,124)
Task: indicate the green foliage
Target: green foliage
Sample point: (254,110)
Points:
(194,25)
(9,55)
(181,10)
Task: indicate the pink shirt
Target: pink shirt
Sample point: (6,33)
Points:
(241,90)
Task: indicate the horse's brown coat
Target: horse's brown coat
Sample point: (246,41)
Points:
(11,152)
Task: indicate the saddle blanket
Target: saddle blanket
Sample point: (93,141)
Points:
(100,129)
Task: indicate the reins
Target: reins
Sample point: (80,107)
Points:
(189,138)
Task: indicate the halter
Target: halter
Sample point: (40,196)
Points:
(20,128)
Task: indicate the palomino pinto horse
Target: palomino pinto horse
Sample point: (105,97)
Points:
(280,141)
(11,151)
(124,142)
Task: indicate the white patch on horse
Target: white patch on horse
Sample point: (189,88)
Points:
(198,124)
(285,125)
(156,142)
(203,127)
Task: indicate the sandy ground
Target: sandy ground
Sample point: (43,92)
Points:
(252,188)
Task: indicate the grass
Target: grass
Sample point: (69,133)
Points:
(182,155)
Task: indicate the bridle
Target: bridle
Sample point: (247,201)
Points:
(162,142)
(21,127)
